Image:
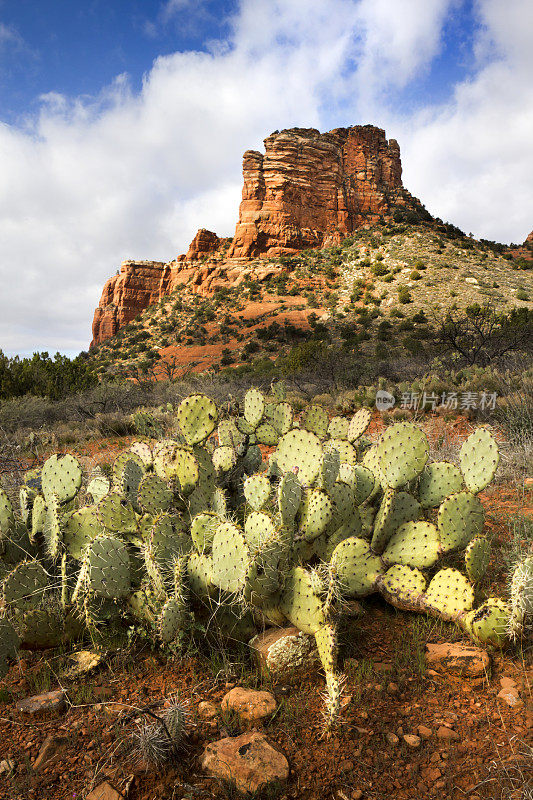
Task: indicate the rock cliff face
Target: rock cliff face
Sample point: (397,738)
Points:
(312,188)
(308,189)
(125,295)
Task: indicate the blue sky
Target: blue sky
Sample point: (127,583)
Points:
(122,125)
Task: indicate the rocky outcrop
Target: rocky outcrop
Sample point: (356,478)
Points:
(312,188)
(525,250)
(125,295)
(204,242)
(308,189)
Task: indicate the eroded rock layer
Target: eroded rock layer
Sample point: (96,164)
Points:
(312,188)
(308,189)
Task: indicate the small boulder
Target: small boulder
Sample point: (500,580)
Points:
(207,710)
(105,792)
(249,704)
(509,694)
(43,703)
(412,741)
(447,735)
(50,751)
(458,659)
(424,732)
(248,760)
(284,652)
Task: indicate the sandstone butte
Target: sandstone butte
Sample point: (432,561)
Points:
(308,189)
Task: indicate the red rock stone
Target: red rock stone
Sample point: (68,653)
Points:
(248,760)
(43,703)
(458,659)
(283,652)
(249,704)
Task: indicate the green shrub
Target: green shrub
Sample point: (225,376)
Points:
(415,275)
(404,295)
(521,294)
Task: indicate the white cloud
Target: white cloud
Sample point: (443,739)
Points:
(470,159)
(94,180)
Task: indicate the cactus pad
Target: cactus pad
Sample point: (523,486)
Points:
(479,457)
(315,420)
(437,482)
(316,513)
(197,417)
(258,527)
(302,601)
(489,623)
(449,593)
(395,509)
(203,528)
(283,418)
(144,451)
(108,567)
(229,435)
(477,557)
(405,584)
(402,451)
(224,459)
(7,516)
(359,423)
(172,620)
(364,482)
(460,519)
(347,452)
(267,434)
(299,451)
(153,494)
(254,407)
(81,528)
(61,476)
(179,465)
(230,559)
(116,514)
(414,544)
(25,585)
(98,487)
(256,491)
(289,498)
(338,428)
(357,567)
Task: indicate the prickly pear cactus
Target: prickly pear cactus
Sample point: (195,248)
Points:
(199,525)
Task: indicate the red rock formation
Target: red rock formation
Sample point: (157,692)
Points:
(203,243)
(312,188)
(308,189)
(524,250)
(125,295)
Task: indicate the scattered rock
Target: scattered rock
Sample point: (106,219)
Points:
(284,652)
(447,734)
(7,766)
(43,703)
(392,738)
(207,710)
(357,794)
(249,704)
(83,662)
(105,792)
(248,760)
(412,741)
(424,732)
(509,694)
(49,752)
(458,659)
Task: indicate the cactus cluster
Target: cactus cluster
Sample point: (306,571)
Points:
(199,526)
